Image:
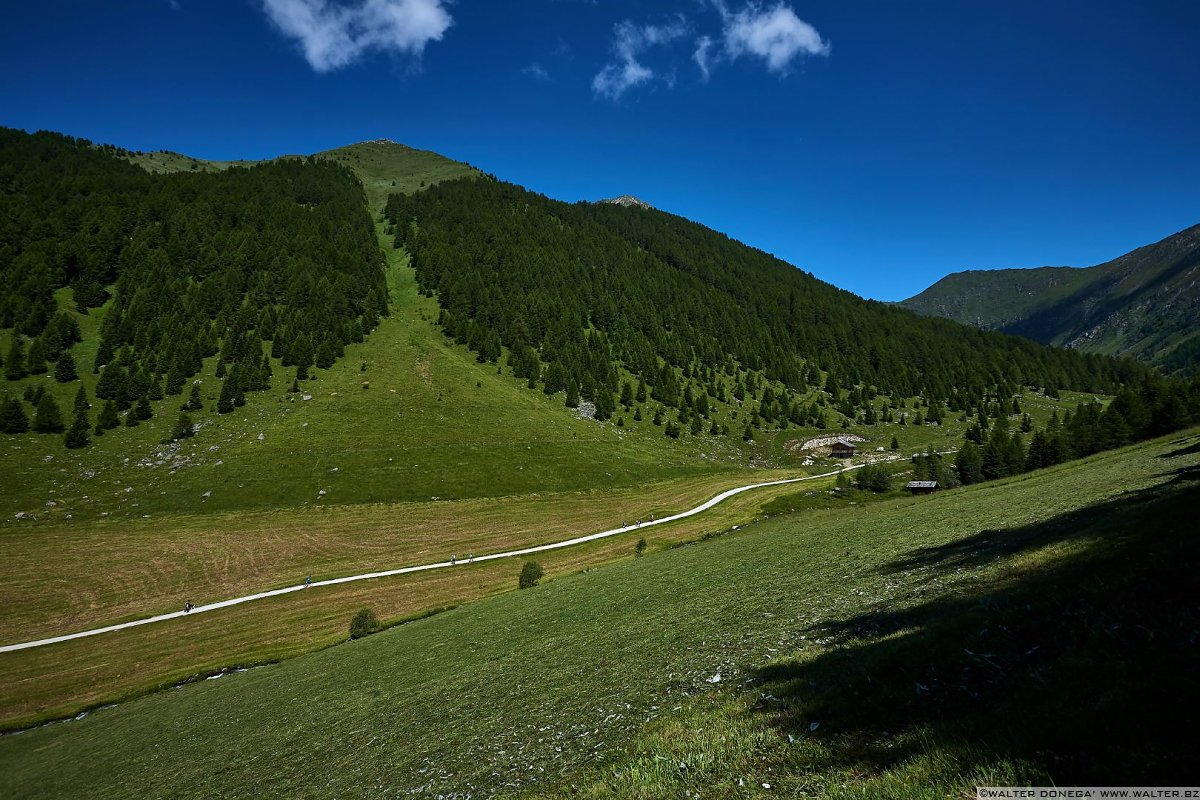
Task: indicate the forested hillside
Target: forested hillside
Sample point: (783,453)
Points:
(183,266)
(1144,304)
(576,291)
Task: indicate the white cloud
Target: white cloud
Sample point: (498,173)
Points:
(776,35)
(536,70)
(703,55)
(629,43)
(334,34)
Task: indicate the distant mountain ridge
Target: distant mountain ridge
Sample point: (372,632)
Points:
(1144,304)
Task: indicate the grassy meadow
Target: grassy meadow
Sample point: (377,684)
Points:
(1033,629)
(405,451)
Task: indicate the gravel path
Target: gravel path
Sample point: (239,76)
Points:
(419,568)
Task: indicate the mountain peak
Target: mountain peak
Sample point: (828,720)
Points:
(628,201)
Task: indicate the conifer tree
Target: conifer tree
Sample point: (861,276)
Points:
(77,434)
(35,359)
(640,394)
(48,418)
(572,394)
(605,407)
(325,355)
(626,395)
(14,361)
(895,444)
(195,403)
(142,409)
(183,427)
(64,368)
(637,414)
(228,393)
(176,378)
(12,416)
(108,418)
(969,463)
(81,400)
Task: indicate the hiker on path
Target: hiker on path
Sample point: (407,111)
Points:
(308,581)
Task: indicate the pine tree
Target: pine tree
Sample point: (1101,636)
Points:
(626,395)
(108,418)
(183,427)
(77,434)
(748,434)
(325,355)
(572,394)
(969,463)
(81,400)
(14,361)
(35,360)
(142,409)
(228,393)
(605,407)
(640,394)
(195,403)
(64,368)
(637,414)
(176,378)
(12,417)
(111,385)
(48,418)
(895,444)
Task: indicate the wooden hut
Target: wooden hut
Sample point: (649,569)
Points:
(922,487)
(842,449)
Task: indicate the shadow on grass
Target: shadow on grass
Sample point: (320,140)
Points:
(1183,451)
(1083,667)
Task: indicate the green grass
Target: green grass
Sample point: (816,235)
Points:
(386,168)
(1034,629)
(434,424)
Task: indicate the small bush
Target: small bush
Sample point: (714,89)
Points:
(531,573)
(363,624)
(640,549)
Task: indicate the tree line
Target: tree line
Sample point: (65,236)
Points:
(185,266)
(576,292)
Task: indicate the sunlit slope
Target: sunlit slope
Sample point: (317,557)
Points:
(730,658)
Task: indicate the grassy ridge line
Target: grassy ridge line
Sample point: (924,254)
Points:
(388,573)
(525,689)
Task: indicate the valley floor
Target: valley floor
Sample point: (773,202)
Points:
(1032,630)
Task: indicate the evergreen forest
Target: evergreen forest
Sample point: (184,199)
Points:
(180,266)
(576,292)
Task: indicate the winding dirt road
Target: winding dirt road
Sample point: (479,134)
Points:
(419,568)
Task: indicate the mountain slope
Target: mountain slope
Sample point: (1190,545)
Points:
(1145,304)
(873,651)
(580,287)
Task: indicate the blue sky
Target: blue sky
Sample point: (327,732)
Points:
(879,145)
